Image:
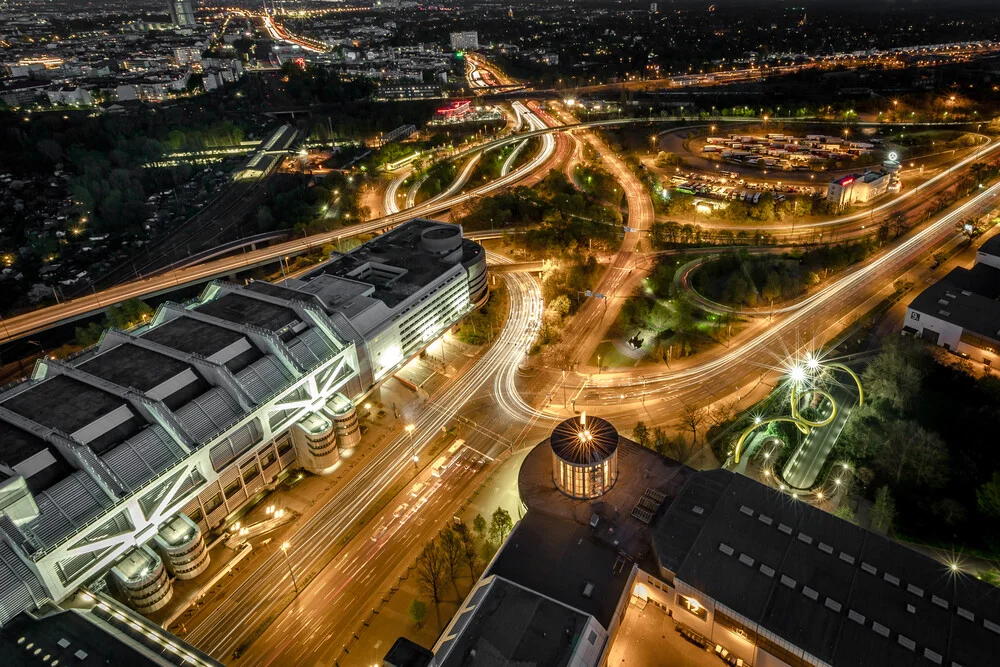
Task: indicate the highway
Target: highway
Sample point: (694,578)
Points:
(40,319)
(37,320)
(319,623)
(763,349)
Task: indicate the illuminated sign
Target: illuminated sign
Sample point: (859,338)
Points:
(692,606)
(846,181)
(893,156)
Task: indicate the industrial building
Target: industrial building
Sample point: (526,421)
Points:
(181,13)
(734,566)
(116,462)
(961,312)
(858,188)
(465,41)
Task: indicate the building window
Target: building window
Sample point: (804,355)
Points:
(250,472)
(592,638)
(232,489)
(268,459)
(284,446)
(196,515)
(213,503)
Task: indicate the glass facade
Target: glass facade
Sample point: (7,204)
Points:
(585,481)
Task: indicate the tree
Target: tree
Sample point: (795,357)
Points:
(949,510)
(479,525)
(691,418)
(845,512)
(560,305)
(500,525)
(430,571)
(772,287)
(641,433)
(988,497)
(468,548)
(893,376)
(418,612)
(452,551)
(128,314)
(916,453)
(883,511)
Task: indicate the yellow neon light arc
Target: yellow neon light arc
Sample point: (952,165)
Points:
(857,380)
(795,409)
(801,425)
(804,425)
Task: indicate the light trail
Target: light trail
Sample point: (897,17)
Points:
(228,626)
(875,276)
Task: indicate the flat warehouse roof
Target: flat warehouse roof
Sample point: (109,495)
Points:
(241,309)
(840,593)
(133,366)
(187,334)
(63,403)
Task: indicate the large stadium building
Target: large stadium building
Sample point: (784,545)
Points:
(115,463)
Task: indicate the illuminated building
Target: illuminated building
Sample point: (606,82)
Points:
(858,188)
(584,457)
(719,560)
(777,581)
(181,14)
(123,457)
(465,41)
(960,312)
(456,109)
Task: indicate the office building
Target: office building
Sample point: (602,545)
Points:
(733,566)
(465,41)
(119,460)
(961,312)
(858,188)
(181,13)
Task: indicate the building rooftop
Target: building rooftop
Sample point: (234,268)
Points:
(510,625)
(558,557)
(645,482)
(69,405)
(241,309)
(584,441)
(39,463)
(133,366)
(966,298)
(991,246)
(408,265)
(843,594)
(189,335)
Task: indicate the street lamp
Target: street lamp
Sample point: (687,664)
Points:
(409,428)
(284,550)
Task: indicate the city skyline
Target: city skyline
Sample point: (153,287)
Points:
(588,333)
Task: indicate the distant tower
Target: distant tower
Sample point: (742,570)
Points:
(510,12)
(652,8)
(181,13)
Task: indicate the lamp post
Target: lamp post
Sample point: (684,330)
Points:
(409,428)
(284,550)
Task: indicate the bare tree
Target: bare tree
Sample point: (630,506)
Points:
(430,571)
(692,418)
(722,412)
(500,525)
(468,548)
(883,511)
(451,551)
